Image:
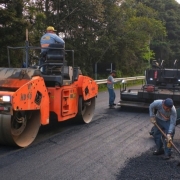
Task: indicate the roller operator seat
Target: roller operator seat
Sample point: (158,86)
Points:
(54,63)
(55,55)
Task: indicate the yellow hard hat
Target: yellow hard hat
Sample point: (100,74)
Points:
(50,28)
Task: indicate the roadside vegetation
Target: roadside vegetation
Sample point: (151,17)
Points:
(127,33)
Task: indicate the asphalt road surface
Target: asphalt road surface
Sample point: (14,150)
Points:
(116,145)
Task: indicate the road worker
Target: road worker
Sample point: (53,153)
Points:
(110,87)
(50,38)
(163,112)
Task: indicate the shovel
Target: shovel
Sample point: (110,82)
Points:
(173,145)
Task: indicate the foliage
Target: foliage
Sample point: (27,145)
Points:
(127,33)
(167,48)
(12,27)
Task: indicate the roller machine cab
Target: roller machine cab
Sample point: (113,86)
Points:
(29,95)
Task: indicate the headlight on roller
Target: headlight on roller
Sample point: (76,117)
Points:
(5,98)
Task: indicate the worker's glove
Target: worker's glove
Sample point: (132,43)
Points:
(169,138)
(153,120)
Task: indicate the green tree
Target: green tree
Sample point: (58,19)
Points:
(12,27)
(167,48)
(126,33)
(130,33)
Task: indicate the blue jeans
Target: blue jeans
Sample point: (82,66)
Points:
(159,138)
(112,96)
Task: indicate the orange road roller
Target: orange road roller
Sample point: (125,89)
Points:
(30,93)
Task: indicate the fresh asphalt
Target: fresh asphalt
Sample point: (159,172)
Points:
(115,145)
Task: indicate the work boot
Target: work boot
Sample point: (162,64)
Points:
(166,157)
(113,104)
(158,152)
(111,107)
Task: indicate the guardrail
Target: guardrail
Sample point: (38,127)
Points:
(103,81)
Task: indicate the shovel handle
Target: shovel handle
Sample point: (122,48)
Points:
(166,137)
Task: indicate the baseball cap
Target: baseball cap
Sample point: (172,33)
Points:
(50,28)
(168,102)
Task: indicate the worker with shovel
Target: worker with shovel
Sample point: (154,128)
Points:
(163,115)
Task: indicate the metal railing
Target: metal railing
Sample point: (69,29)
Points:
(103,81)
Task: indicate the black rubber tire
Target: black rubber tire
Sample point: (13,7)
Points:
(19,134)
(85,110)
